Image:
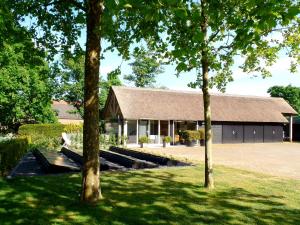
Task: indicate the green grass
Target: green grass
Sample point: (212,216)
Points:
(159,196)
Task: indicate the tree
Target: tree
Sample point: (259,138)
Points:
(206,35)
(289,93)
(61,23)
(26,86)
(144,68)
(71,73)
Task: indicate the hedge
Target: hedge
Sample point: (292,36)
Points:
(35,131)
(11,151)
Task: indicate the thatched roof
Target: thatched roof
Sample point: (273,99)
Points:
(65,110)
(158,104)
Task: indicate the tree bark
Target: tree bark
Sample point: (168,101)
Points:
(91,192)
(209,181)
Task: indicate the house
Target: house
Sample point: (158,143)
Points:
(66,113)
(157,113)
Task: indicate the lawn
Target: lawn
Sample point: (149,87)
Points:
(158,196)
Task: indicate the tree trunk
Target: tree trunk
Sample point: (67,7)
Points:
(209,181)
(91,192)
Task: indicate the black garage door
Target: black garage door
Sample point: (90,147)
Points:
(232,133)
(273,133)
(253,134)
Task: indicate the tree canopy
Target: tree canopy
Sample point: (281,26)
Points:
(289,93)
(26,85)
(145,67)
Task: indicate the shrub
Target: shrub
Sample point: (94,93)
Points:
(201,134)
(112,140)
(190,135)
(11,151)
(143,139)
(167,139)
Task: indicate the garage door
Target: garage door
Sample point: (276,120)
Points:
(217,133)
(253,134)
(273,133)
(232,134)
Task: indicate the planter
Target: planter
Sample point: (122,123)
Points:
(142,145)
(202,142)
(166,144)
(191,143)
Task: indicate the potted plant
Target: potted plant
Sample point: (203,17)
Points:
(142,140)
(166,140)
(191,137)
(201,136)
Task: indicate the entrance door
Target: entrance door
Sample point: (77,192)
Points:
(143,125)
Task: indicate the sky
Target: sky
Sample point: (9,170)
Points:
(243,84)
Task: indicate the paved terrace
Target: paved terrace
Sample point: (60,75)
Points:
(278,159)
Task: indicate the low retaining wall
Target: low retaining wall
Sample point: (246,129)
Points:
(160,160)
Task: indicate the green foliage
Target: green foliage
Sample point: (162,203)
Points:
(201,134)
(11,151)
(143,139)
(167,139)
(289,93)
(73,128)
(47,131)
(190,135)
(71,71)
(112,140)
(144,68)
(26,85)
(257,31)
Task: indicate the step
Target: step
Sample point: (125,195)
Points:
(127,161)
(53,161)
(161,160)
(78,157)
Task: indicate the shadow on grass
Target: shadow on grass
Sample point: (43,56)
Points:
(140,197)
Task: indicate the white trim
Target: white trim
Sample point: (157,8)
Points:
(137,132)
(158,133)
(173,132)
(125,130)
(291,128)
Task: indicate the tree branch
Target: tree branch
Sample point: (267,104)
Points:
(211,38)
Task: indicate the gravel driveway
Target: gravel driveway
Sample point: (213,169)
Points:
(279,159)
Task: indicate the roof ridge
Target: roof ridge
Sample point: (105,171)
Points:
(194,92)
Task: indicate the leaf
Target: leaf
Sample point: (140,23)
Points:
(180,12)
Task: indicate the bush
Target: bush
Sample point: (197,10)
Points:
(190,135)
(201,134)
(167,139)
(11,151)
(143,139)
